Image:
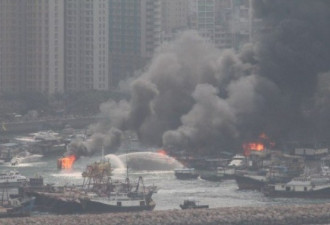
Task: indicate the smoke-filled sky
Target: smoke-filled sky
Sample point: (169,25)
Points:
(195,97)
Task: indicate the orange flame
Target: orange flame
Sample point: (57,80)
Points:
(66,162)
(253,146)
(162,152)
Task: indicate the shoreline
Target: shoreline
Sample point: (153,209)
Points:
(272,215)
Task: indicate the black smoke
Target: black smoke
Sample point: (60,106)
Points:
(195,97)
(294,52)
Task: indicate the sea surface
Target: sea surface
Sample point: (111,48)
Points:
(171,191)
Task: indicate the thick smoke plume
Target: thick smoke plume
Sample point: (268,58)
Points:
(195,97)
(106,134)
(294,52)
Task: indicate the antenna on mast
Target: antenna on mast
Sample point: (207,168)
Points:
(129,146)
(102,157)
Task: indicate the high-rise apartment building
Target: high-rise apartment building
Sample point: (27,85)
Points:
(134,34)
(203,17)
(241,22)
(86,45)
(227,23)
(31,46)
(175,15)
(53,46)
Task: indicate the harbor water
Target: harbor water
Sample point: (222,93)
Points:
(171,191)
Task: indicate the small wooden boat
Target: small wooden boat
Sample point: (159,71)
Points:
(192,204)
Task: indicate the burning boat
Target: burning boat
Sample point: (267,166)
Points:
(73,152)
(66,162)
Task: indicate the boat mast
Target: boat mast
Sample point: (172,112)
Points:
(129,149)
(102,157)
(127,178)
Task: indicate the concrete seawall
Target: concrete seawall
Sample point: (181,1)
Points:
(278,215)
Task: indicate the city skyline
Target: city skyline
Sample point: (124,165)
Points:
(75,45)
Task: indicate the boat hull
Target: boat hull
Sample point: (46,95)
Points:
(195,207)
(212,177)
(317,194)
(23,210)
(59,205)
(248,183)
(97,207)
(11,184)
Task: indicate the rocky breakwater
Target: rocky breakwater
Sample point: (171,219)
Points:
(278,215)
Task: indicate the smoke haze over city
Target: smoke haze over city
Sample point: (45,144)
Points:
(191,87)
(195,97)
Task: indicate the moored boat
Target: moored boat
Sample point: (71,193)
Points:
(186,173)
(298,188)
(98,193)
(192,204)
(238,162)
(25,157)
(212,175)
(13,205)
(250,181)
(17,207)
(117,202)
(11,179)
(228,172)
(304,186)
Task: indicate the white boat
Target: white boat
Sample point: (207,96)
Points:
(304,186)
(238,161)
(46,135)
(25,157)
(11,179)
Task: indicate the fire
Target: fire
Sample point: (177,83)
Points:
(263,142)
(265,139)
(253,146)
(162,152)
(66,162)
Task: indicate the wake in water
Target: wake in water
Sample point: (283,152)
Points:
(31,164)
